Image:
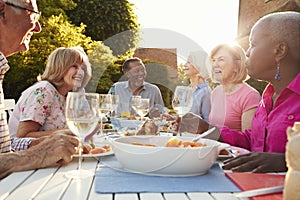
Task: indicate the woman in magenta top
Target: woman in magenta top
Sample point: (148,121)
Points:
(233,101)
(273,57)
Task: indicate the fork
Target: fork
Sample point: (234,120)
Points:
(206,133)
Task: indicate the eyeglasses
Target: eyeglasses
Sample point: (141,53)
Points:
(22,8)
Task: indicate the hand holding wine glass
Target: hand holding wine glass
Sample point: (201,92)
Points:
(82,119)
(182,100)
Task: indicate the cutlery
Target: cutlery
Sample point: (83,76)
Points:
(209,131)
(232,152)
(261,191)
(91,142)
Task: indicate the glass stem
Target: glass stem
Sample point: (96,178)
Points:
(179,132)
(80,155)
(101,126)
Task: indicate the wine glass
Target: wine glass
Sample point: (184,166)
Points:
(114,104)
(182,100)
(133,102)
(142,107)
(105,106)
(82,119)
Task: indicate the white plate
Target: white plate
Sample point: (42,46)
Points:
(235,151)
(95,155)
(223,145)
(97,144)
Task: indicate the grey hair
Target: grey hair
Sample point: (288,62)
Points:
(199,60)
(283,27)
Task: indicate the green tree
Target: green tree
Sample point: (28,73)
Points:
(57,32)
(55,7)
(111,21)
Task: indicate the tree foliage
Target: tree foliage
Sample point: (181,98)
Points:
(111,21)
(57,32)
(55,7)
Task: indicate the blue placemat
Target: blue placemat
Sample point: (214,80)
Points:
(111,178)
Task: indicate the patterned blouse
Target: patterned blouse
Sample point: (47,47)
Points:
(40,103)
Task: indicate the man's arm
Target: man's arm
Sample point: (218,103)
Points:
(54,150)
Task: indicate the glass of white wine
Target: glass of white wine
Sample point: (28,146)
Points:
(82,119)
(105,106)
(182,100)
(133,102)
(142,107)
(114,104)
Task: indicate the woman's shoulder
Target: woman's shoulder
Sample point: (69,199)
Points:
(249,89)
(218,88)
(41,87)
(44,84)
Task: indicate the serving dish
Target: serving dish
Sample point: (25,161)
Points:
(164,161)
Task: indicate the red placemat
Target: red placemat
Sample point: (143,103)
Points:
(250,181)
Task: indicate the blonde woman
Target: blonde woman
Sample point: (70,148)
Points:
(40,109)
(196,70)
(233,102)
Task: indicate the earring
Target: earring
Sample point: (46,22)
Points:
(277,75)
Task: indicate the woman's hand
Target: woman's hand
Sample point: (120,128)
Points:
(257,162)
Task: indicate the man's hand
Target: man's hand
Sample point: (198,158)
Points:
(36,141)
(257,162)
(53,150)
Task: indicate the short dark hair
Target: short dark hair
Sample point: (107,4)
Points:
(125,66)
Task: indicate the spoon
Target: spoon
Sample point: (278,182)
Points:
(209,131)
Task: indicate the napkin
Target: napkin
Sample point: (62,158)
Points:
(112,178)
(250,181)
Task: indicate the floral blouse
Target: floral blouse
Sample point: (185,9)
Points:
(40,103)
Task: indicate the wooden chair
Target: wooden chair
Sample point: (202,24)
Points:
(9,105)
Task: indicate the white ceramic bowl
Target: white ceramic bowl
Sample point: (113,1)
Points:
(164,161)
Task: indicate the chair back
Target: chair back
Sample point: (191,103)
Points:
(9,105)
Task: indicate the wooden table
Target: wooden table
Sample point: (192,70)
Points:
(50,183)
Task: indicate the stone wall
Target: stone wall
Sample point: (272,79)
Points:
(251,10)
(164,56)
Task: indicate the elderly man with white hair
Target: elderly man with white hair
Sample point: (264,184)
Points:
(18,22)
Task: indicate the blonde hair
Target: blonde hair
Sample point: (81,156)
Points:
(239,58)
(61,60)
(199,60)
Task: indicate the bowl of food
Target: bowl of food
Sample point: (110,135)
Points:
(165,155)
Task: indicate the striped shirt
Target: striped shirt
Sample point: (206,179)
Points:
(7,144)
